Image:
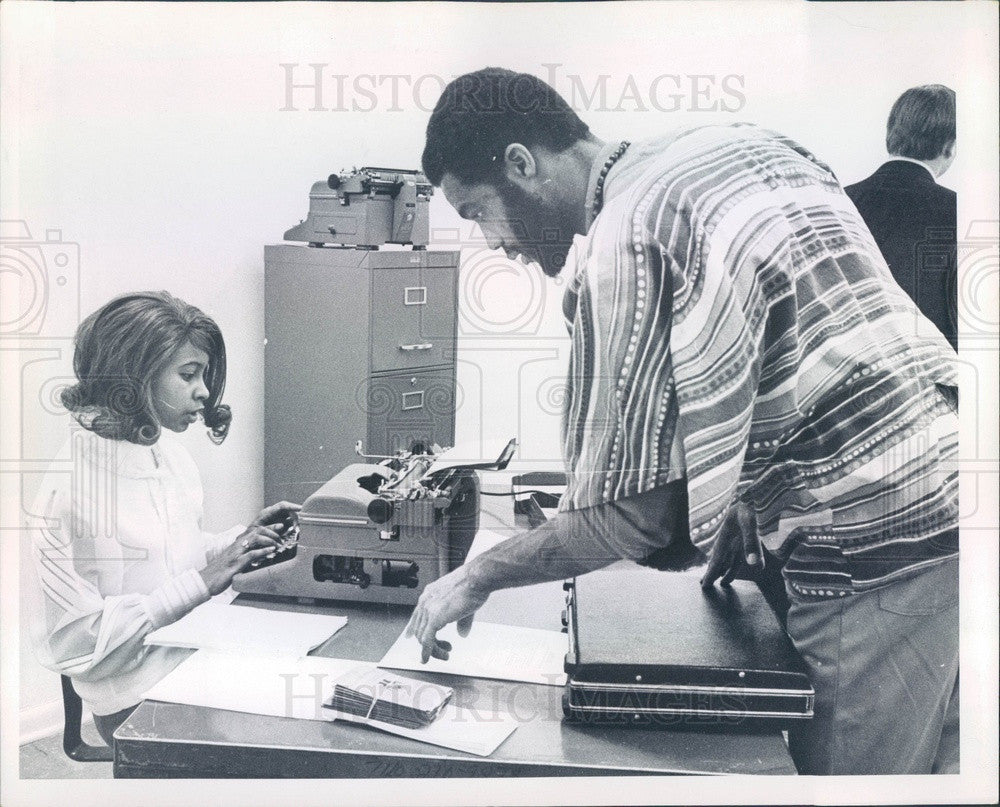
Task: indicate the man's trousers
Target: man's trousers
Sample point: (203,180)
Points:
(884,665)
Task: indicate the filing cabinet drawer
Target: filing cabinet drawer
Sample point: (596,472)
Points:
(413,317)
(411,407)
(441,258)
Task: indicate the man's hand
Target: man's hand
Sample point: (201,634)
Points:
(736,547)
(451,598)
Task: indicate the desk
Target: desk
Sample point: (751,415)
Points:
(172,740)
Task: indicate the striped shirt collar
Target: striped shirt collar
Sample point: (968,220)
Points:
(637,153)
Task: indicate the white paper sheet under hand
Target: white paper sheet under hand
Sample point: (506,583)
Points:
(240,629)
(487,539)
(489,651)
(287,687)
(455,728)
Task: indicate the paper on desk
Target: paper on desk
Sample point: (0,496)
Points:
(297,687)
(503,652)
(486,539)
(241,629)
(279,686)
(454,728)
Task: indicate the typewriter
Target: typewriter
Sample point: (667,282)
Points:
(379,531)
(365,208)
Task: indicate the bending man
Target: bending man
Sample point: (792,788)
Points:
(736,338)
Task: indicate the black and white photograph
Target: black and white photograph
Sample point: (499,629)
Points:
(487,403)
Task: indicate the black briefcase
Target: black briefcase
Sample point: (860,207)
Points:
(652,648)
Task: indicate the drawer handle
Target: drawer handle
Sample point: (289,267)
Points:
(415,295)
(416,400)
(425,346)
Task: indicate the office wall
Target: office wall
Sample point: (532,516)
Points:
(165,142)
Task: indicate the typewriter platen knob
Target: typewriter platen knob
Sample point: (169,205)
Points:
(380,510)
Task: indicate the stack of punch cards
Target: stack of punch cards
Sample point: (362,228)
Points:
(379,696)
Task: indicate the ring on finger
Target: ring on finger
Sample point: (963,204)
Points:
(245,543)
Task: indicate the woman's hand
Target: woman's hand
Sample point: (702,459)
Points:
(276,514)
(256,543)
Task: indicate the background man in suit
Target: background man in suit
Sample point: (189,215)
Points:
(912,217)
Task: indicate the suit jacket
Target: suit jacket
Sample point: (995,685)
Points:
(913,221)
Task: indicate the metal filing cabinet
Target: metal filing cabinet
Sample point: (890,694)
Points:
(360,346)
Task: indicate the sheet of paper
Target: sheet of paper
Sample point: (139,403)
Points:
(490,651)
(486,539)
(453,729)
(290,687)
(241,629)
(279,686)
(225,597)
(538,605)
(471,454)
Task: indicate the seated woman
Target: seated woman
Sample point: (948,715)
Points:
(122,552)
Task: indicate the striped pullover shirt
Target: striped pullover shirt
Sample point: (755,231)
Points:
(733,324)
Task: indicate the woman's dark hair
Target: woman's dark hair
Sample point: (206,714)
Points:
(921,122)
(122,346)
(479,114)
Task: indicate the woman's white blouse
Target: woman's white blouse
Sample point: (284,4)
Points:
(117,552)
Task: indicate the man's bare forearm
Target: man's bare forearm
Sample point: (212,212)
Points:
(538,556)
(579,541)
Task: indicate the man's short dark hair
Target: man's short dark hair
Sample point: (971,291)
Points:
(481,113)
(922,122)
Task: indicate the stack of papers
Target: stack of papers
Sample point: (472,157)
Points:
(490,651)
(368,692)
(244,630)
